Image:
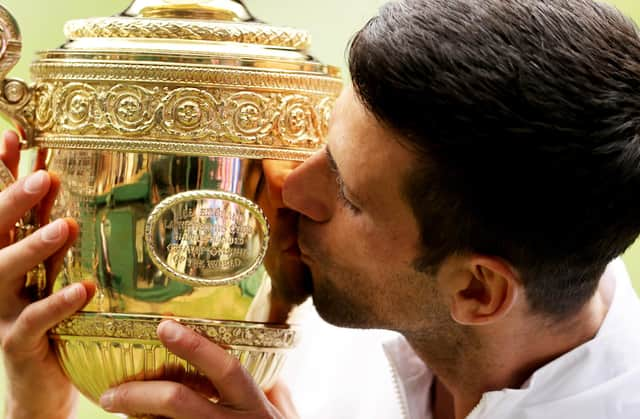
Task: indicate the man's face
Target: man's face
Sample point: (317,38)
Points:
(358,234)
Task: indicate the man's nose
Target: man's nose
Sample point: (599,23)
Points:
(311,189)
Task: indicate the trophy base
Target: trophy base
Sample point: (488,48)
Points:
(99,351)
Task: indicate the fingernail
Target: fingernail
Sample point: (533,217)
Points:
(72,293)
(106,400)
(53,231)
(170,330)
(6,134)
(34,183)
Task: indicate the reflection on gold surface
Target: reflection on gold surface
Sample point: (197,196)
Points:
(112,195)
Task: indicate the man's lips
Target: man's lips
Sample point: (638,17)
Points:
(302,242)
(304,255)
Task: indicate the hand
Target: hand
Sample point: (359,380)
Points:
(37,387)
(290,278)
(238,395)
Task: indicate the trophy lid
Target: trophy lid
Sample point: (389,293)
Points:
(182,77)
(190,28)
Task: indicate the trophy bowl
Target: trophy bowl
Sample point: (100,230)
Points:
(98,351)
(159,122)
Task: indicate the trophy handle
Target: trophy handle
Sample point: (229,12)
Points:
(15,94)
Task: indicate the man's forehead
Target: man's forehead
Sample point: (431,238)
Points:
(346,97)
(365,152)
(349,131)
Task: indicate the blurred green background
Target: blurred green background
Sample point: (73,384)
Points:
(330,22)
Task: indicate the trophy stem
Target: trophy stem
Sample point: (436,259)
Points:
(225,10)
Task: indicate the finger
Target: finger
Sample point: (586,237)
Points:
(10,151)
(275,173)
(280,396)
(10,156)
(233,382)
(54,263)
(17,259)
(165,398)
(46,205)
(37,318)
(21,197)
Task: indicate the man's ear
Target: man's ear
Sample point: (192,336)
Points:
(483,291)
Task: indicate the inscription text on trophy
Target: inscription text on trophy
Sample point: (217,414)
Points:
(207,237)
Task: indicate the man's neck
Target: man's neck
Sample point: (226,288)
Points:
(504,358)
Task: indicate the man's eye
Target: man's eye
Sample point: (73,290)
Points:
(343,199)
(348,204)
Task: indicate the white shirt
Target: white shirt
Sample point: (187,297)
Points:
(341,373)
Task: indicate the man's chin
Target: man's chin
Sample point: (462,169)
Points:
(332,311)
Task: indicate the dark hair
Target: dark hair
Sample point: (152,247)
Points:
(525,119)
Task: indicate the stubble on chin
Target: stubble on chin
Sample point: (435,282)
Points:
(342,306)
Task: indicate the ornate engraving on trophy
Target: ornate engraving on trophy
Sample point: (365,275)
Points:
(43,108)
(145,328)
(219,116)
(189,112)
(115,27)
(207,237)
(77,100)
(248,118)
(298,120)
(127,108)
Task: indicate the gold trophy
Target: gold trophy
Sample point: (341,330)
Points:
(158,122)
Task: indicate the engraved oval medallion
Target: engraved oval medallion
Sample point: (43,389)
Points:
(207,238)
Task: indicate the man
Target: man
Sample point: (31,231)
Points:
(480,175)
